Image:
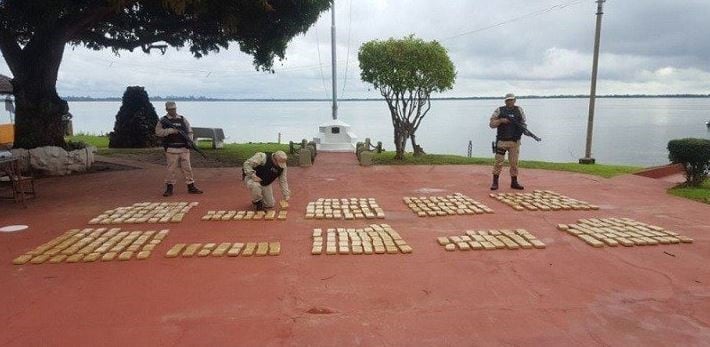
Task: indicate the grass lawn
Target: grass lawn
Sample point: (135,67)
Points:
(96,141)
(233,154)
(701,193)
(387,158)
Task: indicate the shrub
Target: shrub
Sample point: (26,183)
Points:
(135,121)
(694,155)
(74,145)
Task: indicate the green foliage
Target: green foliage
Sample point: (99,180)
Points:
(34,34)
(409,65)
(135,121)
(694,155)
(260,28)
(74,145)
(406,72)
(387,158)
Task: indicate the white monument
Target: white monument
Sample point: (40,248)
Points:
(335,135)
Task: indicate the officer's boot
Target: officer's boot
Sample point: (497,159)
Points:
(259,205)
(494,186)
(168,190)
(192,189)
(514,183)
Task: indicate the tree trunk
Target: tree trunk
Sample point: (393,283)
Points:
(400,143)
(39,110)
(418,150)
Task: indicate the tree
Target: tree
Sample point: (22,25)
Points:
(406,72)
(694,155)
(34,34)
(135,121)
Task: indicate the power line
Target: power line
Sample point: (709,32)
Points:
(320,64)
(347,56)
(152,68)
(515,19)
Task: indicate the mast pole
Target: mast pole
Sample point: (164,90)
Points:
(334,68)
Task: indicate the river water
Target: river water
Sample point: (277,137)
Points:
(633,131)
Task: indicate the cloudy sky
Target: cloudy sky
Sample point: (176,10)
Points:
(541,47)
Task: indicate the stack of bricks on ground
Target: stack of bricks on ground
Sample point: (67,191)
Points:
(351,208)
(456,204)
(225,248)
(244,215)
(375,239)
(146,212)
(89,245)
(542,200)
(621,231)
(490,240)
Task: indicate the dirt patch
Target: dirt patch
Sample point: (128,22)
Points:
(101,166)
(157,156)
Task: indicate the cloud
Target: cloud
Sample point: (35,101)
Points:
(543,47)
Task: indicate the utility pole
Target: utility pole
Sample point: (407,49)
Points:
(334,72)
(593,92)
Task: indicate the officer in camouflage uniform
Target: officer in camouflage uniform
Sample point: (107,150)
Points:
(177,151)
(507,139)
(259,173)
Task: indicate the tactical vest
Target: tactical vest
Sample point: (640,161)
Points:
(175,140)
(269,171)
(510,131)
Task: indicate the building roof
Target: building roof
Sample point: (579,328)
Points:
(5,85)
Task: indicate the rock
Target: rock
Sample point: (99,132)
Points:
(55,161)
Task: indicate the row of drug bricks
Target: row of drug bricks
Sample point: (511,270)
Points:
(89,245)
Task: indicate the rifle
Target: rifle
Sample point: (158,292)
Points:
(526,132)
(187,138)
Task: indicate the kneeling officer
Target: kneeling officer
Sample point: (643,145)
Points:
(259,173)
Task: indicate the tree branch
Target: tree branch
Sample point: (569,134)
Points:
(74,24)
(398,99)
(421,117)
(11,51)
(411,107)
(99,40)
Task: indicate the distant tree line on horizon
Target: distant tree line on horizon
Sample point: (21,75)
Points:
(204,98)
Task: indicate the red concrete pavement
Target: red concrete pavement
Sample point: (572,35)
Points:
(568,293)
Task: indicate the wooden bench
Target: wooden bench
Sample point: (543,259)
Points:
(214,134)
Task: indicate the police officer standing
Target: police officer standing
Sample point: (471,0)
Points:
(507,139)
(259,173)
(177,151)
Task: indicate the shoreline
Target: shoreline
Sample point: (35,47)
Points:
(468,98)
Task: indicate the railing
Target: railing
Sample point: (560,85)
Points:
(367,147)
